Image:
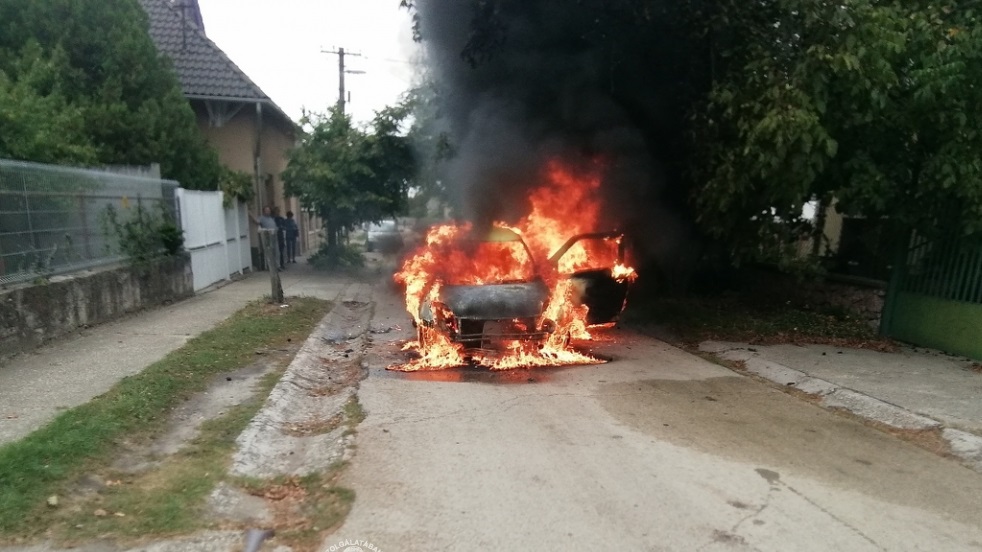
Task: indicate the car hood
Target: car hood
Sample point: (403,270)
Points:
(496,301)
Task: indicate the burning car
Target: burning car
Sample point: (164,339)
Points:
(509,300)
(518,296)
(504,302)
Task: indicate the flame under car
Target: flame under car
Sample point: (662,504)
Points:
(509,301)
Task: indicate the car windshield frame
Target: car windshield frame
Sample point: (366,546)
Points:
(473,244)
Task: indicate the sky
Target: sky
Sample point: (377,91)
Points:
(279,44)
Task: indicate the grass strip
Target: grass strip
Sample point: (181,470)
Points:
(35,467)
(169,499)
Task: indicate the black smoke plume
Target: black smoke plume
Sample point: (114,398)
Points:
(525,81)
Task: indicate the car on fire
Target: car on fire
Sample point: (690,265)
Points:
(510,304)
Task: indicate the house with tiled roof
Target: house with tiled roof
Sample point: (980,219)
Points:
(249,131)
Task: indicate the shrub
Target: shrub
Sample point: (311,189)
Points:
(144,235)
(337,257)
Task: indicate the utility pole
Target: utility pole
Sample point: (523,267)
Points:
(341,72)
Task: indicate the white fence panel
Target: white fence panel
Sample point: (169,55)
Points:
(245,247)
(237,238)
(216,237)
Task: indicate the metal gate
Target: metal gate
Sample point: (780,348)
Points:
(935,295)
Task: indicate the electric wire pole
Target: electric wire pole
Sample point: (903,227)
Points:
(341,72)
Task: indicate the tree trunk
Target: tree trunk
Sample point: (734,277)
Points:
(332,233)
(818,234)
(270,247)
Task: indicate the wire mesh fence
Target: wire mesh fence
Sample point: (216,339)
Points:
(53,219)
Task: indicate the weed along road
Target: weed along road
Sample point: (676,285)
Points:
(655,450)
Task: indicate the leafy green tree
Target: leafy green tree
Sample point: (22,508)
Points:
(36,119)
(92,67)
(349,175)
(873,103)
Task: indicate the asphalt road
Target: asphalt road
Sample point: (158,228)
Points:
(656,450)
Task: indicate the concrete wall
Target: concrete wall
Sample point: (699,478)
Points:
(31,315)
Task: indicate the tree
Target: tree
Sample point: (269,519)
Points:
(38,122)
(752,109)
(349,175)
(92,67)
(875,104)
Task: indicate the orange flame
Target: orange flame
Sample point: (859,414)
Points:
(565,205)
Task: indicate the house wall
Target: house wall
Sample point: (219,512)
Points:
(235,142)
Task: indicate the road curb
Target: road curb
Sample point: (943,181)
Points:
(965,446)
(300,428)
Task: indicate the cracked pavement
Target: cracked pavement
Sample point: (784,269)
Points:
(656,450)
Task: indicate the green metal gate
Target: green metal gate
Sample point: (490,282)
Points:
(935,295)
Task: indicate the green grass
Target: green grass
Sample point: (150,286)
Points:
(354,413)
(693,319)
(85,437)
(319,505)
(170,499)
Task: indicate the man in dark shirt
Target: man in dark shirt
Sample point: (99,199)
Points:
(280,236)
(292,233)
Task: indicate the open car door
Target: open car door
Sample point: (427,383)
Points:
(589,260)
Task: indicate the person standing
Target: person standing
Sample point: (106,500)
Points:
(280,236)
(292,233)
(266,221)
